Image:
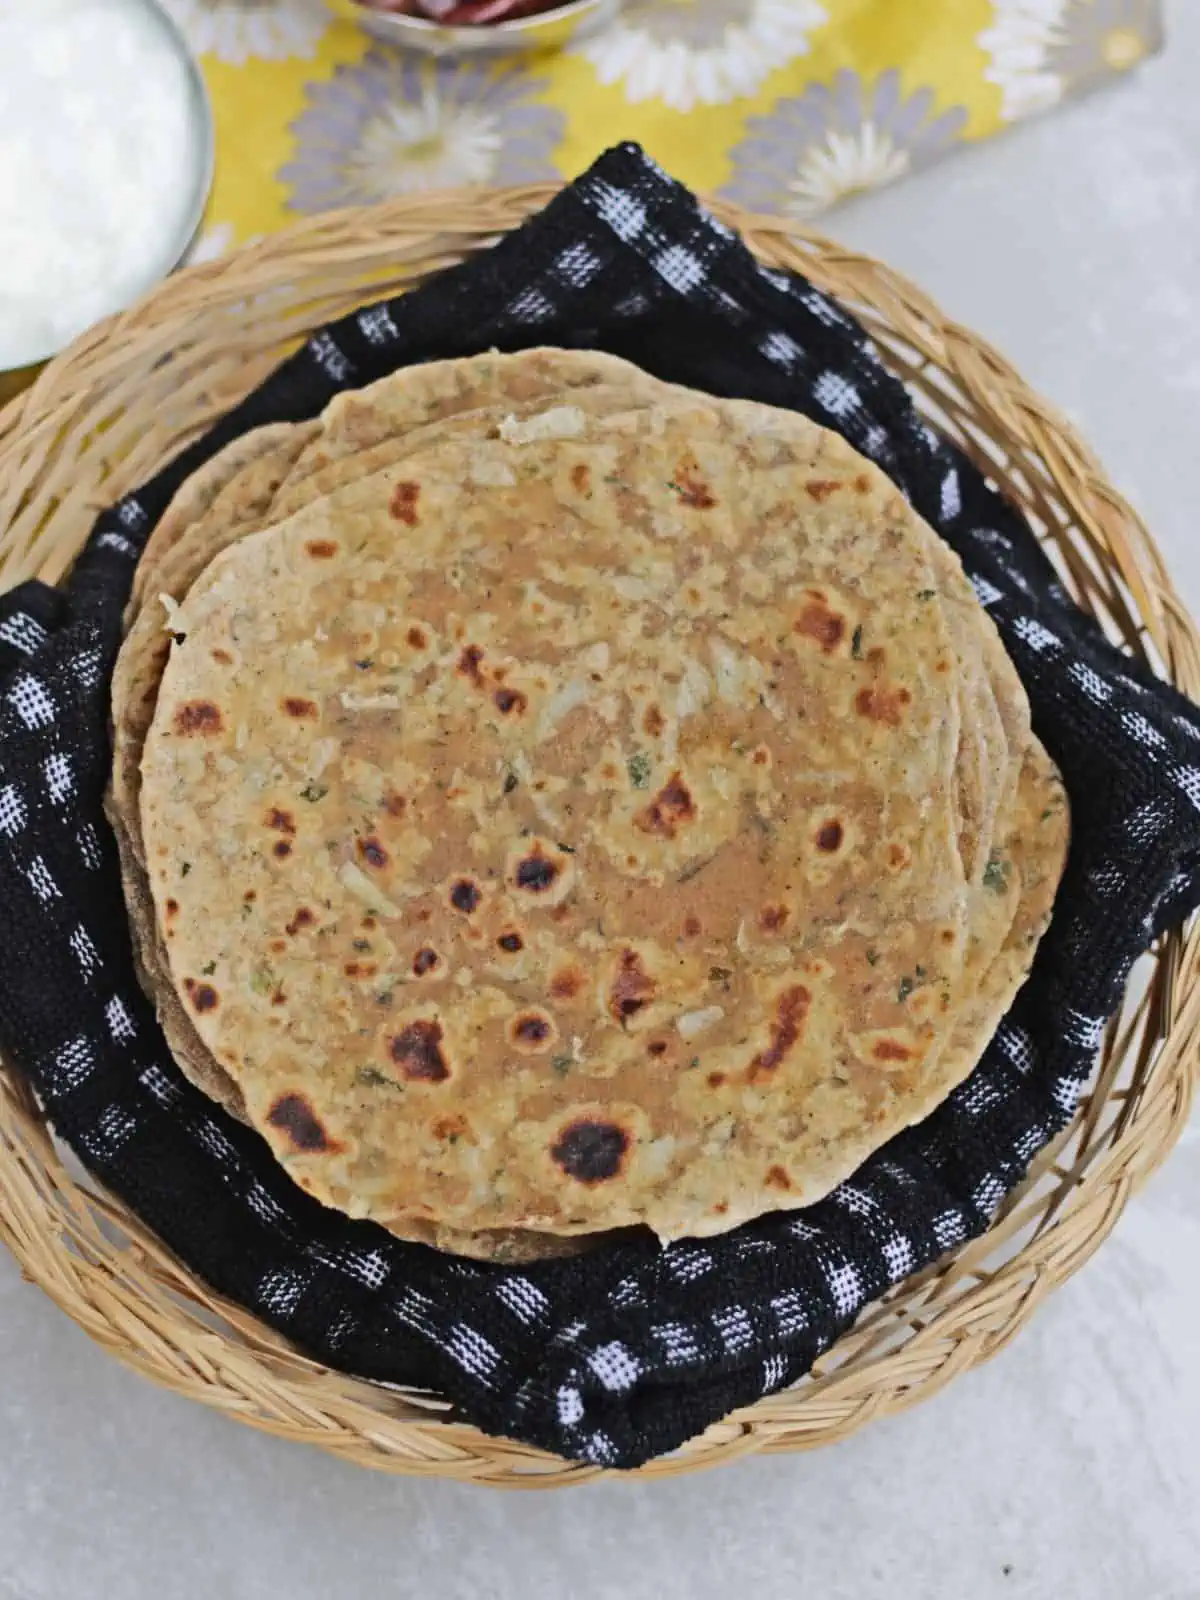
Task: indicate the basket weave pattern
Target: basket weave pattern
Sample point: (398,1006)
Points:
(109,412)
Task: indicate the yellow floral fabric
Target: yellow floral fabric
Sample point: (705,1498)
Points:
(784,105)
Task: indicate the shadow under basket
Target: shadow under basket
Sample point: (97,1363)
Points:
(107,413)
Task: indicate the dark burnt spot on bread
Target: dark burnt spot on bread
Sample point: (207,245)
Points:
(777,1178)
(303,917)
(449,1130)
(791,1010)
(862,483)
(670,809)
(321,549)
(591,1151)
(653,721)
(281,821)
(371,852)
(172,908)
(532,1031)
(278,946)
(899,856)
(691,927)
(761,756)
(469,662)
(250,896)
(202,995)
(403,504)
(773,918)
(425,961)
(890,1050)
(360,969)
(819,622)
(510,702)
(657,1047)
(395,804)
(303,710)
(819,489)
(281,849)
(632,987)
(715,1080)
(536,873)
(198,719)
(278,997)
(294,1116)
(417,637)
(222,657)
(830,835)
(465,895)
(417,1051)
(581,477)
(511,943)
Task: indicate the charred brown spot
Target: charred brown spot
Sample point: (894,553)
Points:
(790,1013)
(819,489)
(172,908)
(771,919)
(425,961)
(282,849)
(657,1047)
(653,721)
(631,989)
(296,707)
(281,821)
(465,895)
(876,656)
(444,1128)
(198,718)
(360,969)
(536,872)
(279,998)
(222,657)
(671,807)
(321,549)
(591,1152)
(691,926)
(891,1050)
(830,835)
(819,622)
(512,942)
(468,664)
(581,476)
(278,946)
(202,995)
(692,490)
(898,856)
(250,896)
(509,700)
(371,851)
(531,1031)
(883,704)
(716,1079)
(777,1178)
(404,503)
(761,756)
(567,983)
(294,1116)
(417,637)
(417,1051)
(303,918)
(862,483)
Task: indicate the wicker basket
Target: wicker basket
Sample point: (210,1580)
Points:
(109,411)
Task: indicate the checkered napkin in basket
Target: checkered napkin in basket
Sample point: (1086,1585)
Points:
(621,1354)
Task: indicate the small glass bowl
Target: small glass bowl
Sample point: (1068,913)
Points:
(548,30)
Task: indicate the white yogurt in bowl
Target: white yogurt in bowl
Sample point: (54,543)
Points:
(105,160)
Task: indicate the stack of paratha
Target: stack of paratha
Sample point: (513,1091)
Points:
(552,801)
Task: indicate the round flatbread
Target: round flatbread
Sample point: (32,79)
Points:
(587,858)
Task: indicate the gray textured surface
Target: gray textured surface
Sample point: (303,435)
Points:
(1068,1467)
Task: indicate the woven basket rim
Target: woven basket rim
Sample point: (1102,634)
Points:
(128,1292)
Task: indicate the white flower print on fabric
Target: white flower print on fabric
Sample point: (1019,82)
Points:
(238,31)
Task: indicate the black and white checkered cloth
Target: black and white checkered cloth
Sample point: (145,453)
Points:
(622,1354)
